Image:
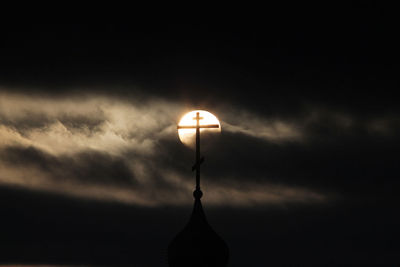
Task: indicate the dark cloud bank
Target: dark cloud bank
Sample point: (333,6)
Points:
(304,172)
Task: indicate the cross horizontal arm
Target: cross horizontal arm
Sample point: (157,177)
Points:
(201,126)
(210,126)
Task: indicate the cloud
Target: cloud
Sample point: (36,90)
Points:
(127,150)
(112,149)
(275,131)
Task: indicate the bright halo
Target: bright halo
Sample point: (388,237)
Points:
(188,136)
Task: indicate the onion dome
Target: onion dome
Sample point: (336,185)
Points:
(198,245)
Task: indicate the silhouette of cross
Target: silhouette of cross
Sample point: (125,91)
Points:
(199,160)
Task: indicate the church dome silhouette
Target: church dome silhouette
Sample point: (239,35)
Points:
(198,245)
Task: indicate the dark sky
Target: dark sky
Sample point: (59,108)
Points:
(304,172)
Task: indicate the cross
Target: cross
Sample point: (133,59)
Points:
(199,160)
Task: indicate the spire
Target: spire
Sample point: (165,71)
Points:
(198,244)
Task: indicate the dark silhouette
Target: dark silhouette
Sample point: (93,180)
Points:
(198,244)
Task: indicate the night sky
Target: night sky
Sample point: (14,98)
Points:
(305,170)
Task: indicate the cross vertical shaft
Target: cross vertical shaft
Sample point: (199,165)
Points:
(197,151)
(199,160)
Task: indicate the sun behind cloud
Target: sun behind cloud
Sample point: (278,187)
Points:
(188,136)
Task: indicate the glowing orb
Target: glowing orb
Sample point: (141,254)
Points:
(188,136)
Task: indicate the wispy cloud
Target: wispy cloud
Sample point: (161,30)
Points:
(124,150)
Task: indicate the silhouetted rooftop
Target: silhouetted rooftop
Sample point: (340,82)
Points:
(198,244)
